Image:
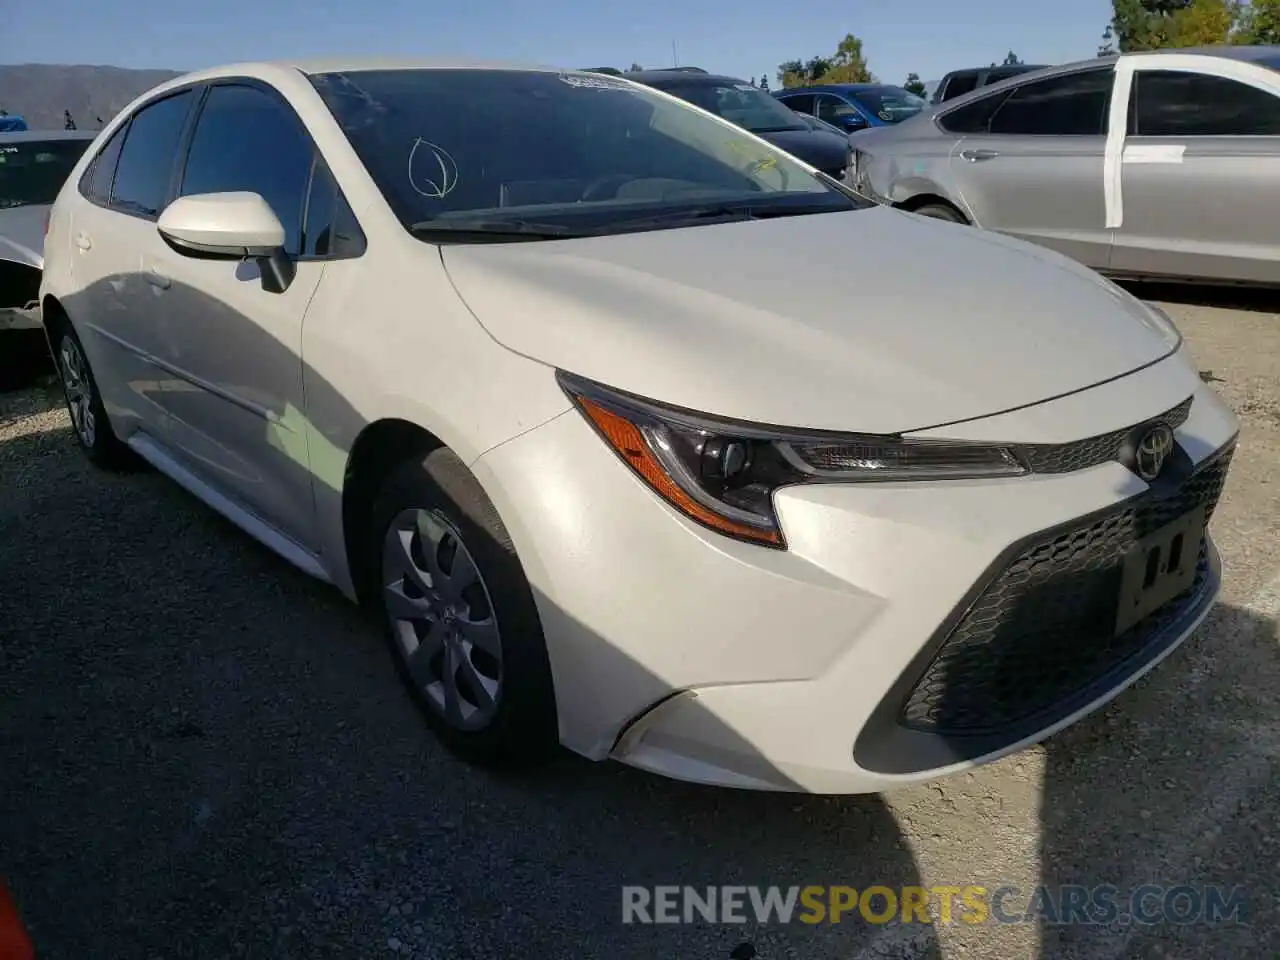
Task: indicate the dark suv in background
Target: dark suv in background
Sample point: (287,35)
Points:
(755,110)
(959,82)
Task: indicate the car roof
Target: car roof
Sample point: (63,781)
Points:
(1242,53)
(363,64)
(42,136)
(1021,67)
(840,88)
(1247,53)
(655,78)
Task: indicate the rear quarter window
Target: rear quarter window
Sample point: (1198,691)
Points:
(95,184)
(973,117)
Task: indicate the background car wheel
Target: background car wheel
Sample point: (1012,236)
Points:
(459,615)
(84,404)
(940,211)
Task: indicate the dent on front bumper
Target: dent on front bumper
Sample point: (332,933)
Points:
(704,659)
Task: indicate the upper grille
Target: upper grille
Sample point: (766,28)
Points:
(1043,630)
(1104,448)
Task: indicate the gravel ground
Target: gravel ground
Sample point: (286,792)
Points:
(205,754)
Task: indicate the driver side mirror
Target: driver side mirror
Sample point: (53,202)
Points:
(230,226)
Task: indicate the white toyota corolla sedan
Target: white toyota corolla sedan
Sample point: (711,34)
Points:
(638,435)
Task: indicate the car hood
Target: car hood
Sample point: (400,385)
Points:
(22,235)
(826,151)
(876,320)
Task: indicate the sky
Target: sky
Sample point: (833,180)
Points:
(743,38)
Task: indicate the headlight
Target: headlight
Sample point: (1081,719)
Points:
(723,473)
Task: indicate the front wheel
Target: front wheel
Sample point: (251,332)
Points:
(941,211)
(84,405)
(459,615)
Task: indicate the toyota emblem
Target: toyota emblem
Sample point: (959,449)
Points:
(1153,451)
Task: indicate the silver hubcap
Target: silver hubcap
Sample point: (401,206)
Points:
(75,381)
(442,618)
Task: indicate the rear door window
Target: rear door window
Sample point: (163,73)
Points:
(144,174)
(959,85)
(1175,103)
(800,103)
(834,110)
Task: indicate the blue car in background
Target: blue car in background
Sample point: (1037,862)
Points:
(854,106)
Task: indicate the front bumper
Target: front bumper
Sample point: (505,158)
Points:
(705,659)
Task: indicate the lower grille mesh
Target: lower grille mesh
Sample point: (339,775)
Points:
(1043,630)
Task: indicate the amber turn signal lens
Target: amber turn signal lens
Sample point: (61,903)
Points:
(625,437)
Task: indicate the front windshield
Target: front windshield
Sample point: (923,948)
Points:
(33,171)
(747,106)
(590,153)
(891,104)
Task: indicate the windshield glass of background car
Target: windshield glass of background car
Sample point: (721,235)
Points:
(33,171)
(548,147)
(747,106)
(891,105)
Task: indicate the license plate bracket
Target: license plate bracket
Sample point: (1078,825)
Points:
(1161,566)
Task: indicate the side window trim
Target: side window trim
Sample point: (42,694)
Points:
(317,159)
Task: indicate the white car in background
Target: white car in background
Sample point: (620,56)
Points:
(630,427)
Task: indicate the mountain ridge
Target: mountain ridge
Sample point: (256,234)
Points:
(92,93)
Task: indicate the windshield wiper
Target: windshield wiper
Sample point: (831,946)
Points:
(721,212)
(490,231)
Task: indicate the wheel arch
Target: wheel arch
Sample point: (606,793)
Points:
(916,201)
(378,449)
(53,317)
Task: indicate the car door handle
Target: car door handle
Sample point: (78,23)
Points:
(157,279)
(83,242)
(973,156)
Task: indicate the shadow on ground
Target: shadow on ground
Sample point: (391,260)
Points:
(1255,299)
(206,754)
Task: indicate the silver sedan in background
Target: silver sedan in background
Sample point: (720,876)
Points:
(1157,165)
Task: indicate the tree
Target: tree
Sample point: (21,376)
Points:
(1011,59)
(1141,24)
(1204,23)
(635,67)
(847,65)
(67,122)
(791,73)
(1259,22)
(815,68)
(914,85)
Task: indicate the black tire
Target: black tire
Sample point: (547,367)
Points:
(523,728)
(100,443)
(942,211)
